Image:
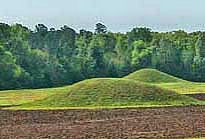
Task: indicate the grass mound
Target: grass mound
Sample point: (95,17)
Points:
(110,92)
(153,76)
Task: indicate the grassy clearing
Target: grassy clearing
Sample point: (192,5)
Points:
(159,89)
(166,81)
(18,97)
(112,93)
(184,88)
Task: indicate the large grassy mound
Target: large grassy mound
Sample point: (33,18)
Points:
(153,76)
(109,92)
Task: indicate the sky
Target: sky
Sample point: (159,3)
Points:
(117,15)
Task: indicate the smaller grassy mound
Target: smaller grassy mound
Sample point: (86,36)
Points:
(109,92)
(153,76)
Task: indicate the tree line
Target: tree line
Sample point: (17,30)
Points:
(54,57)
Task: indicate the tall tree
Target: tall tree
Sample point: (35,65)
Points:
(140,33)
(100,28)
(141,55)
(200,45)
(166,57)
(9,72)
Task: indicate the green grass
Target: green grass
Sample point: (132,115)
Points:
(166,81)
(153,76)
(184,88)
(111,93)
(144,88)
(18,97)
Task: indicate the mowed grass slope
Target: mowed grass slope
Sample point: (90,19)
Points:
(163,80)
(112,93)
(144,88)
(18,97)
(184,88)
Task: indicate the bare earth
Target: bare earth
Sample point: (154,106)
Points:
(173,122)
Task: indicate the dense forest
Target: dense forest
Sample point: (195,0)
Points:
(55,57)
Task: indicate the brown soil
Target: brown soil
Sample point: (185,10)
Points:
(173,122)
